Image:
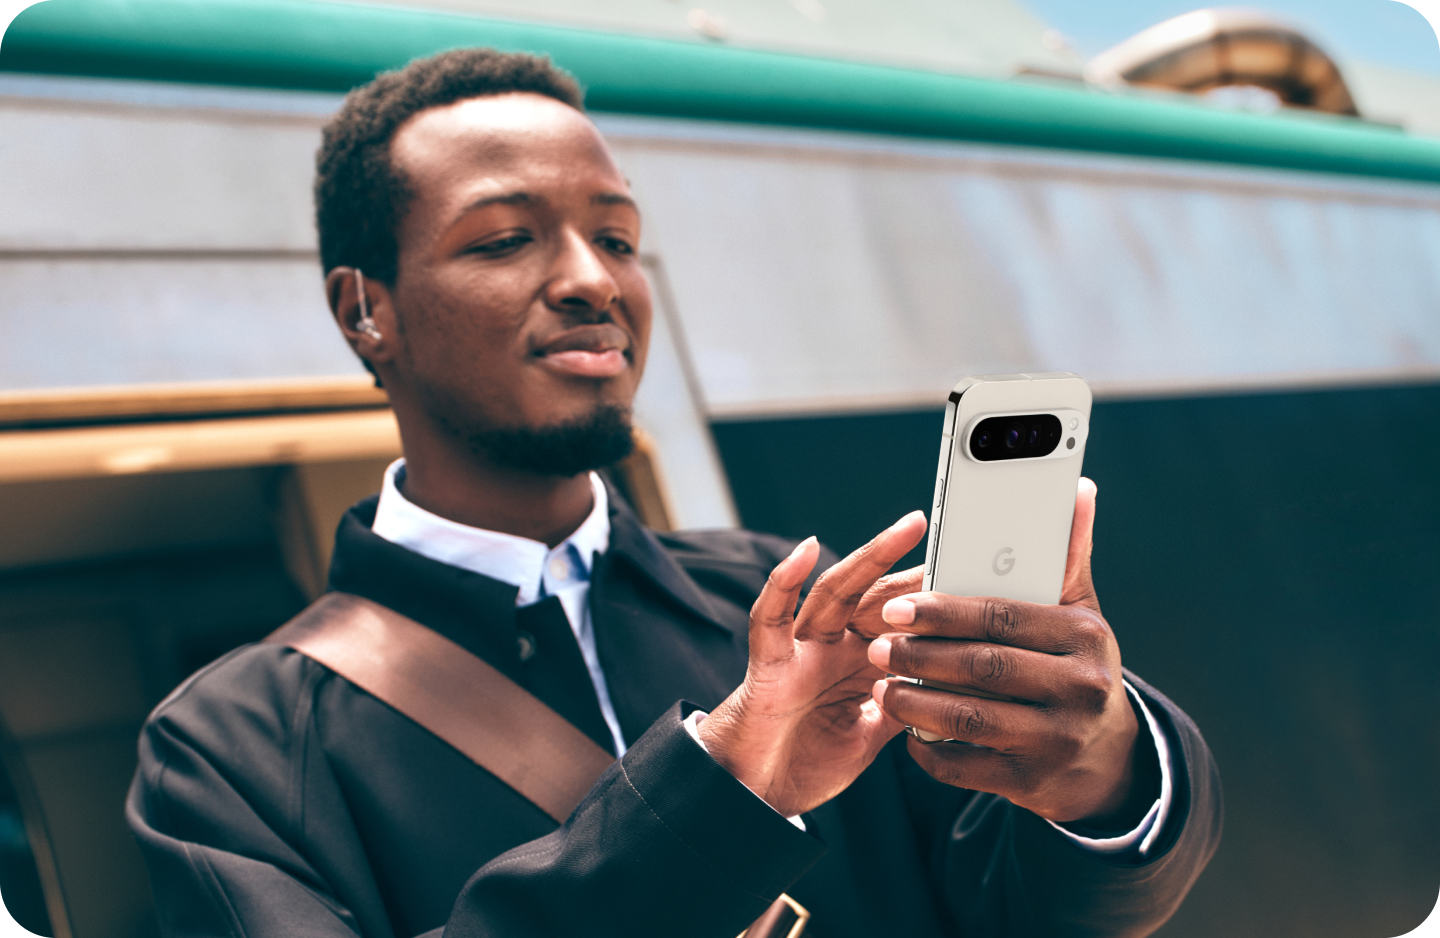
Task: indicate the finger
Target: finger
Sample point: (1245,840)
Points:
(991,669)
(1079,588)
(866,619)
(974,767)
(835,595)
(1056,630)
(772,617)
(995,724)
(880,725)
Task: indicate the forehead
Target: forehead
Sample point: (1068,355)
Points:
(500,138)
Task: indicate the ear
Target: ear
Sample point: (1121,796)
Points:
(342,291)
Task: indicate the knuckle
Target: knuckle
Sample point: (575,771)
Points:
(955,771)
(1001,619)
(890,583)
(1024,781)
(821,631)
(863,557)
(1087,683)
(1088,630)
(1080,634)
(934,614)
(764,620)
(823,589)
(1092,691)
(936,759)
(1068,746)
(966,721)
(832,586)
(989,666)
(903,655)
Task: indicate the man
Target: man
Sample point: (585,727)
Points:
(481,256)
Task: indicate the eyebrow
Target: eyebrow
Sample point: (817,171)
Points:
(508,198)
(525,198)
(613,198)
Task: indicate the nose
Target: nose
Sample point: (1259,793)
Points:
(580,283)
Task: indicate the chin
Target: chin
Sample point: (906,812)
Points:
(562,447)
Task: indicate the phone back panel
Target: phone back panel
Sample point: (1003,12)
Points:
(1002,528)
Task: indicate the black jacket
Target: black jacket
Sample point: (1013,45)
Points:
(274,798)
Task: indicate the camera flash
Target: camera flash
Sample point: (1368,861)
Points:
(1074,422)
(1070,443)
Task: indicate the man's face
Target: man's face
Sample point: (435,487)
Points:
(519,296)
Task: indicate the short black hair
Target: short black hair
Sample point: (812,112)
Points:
(359,196)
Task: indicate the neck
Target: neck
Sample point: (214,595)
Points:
(472,490)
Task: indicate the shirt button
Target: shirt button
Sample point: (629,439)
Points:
(559,568)
(525,645)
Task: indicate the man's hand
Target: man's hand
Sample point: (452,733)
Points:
(1063,744)
(803,724)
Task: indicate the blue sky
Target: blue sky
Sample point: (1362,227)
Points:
(1383,32)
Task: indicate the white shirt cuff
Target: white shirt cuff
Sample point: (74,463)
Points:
(692,726)
(1142,838)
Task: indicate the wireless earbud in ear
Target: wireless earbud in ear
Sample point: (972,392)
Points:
(365,324)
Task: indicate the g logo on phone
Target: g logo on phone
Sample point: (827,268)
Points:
(1003,562)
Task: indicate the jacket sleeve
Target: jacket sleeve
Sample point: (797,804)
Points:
(693,850)
(247,833)
(1046,885)
(219,807)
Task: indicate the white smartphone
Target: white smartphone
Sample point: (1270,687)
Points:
(1010,457)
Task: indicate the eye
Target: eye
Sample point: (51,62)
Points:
(617,245)
(500,246)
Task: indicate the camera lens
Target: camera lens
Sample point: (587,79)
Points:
(1019,436)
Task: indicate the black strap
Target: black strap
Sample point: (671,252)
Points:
(446,690)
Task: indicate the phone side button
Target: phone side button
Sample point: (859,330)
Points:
(934,546)
(940,493)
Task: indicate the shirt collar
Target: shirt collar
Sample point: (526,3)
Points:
(518,561)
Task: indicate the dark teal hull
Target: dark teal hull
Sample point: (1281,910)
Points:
(1270,561)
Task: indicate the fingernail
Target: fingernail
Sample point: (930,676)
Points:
(898,612)
(906,520)
(880,652)
(878,692)
(799,548)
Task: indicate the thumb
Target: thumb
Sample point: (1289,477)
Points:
(1079,587)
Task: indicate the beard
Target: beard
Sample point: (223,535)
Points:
(601,438)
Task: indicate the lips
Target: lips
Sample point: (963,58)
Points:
(594,351)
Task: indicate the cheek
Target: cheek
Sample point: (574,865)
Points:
(464,321)
(462,352)
(641,316)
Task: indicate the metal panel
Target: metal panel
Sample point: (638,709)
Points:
(138,319)
(335,46)
(102,178)
(824,272)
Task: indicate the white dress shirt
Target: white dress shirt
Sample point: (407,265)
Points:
(538,571)
(1142,838)
(564,571)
